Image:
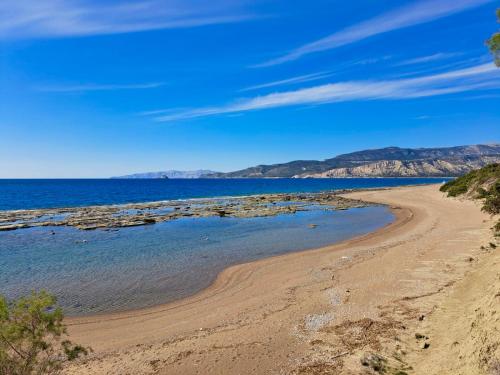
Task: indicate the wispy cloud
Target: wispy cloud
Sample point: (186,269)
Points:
(290,81)
(100,87)
(429,58)
(406,16)
(320,75)
(60,18)
(479,77)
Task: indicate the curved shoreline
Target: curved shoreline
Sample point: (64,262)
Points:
(226,277)
(323,307)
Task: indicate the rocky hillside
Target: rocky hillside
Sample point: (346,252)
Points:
(385,162)
(410,168)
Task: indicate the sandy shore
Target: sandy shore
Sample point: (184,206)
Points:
(320,311)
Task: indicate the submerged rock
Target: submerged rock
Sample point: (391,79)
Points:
(128,215)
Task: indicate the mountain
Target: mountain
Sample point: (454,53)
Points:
(170,174)
(410,168)
(384,162)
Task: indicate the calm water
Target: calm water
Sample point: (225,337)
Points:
(102,271)
(97,271)
(26,194)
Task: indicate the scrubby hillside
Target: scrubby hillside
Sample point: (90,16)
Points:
(483,184)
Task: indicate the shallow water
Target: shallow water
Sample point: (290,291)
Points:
(103,271)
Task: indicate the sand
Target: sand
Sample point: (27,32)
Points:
(321,311)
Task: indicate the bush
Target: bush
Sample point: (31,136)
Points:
(475,183)
(31,332)
(472,181)
(492,201)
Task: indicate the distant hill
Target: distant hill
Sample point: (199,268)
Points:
(384,162)
(169,174)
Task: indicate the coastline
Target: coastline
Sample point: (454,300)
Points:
(401,216)
(280,312)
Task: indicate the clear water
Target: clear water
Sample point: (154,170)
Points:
(28,194)
(102,271)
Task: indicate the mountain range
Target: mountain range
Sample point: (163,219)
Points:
(384,162)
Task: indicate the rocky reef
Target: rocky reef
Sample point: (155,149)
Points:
(127,215)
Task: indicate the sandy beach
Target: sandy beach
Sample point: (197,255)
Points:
(425,286)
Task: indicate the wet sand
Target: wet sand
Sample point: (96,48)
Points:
(313,312)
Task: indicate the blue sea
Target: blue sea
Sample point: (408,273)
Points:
(127,268)
(28,194)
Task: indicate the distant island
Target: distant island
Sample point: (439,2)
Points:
(384,162)
(170,174)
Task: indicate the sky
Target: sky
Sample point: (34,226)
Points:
(98,89)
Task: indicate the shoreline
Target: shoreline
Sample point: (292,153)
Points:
(401,216)
(320,309)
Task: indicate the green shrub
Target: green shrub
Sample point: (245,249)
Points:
(472,180)
(31,332)
(492,199)
(475,183)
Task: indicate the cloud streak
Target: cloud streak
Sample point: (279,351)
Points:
(406,16)
(63,18)
(429,58)
(290,81)
(320,75)
(100,87)
(479,77)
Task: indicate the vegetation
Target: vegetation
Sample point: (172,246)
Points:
(483,184)
(31,336)
(494,43)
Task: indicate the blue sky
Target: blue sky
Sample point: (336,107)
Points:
(95,89)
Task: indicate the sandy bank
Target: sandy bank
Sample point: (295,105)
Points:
(316,311)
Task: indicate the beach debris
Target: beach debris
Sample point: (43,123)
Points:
(419,336)
(374,361)
(340,355)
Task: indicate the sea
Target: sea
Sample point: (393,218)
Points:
(18,194)
(130,268)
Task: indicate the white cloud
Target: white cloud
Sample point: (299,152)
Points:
(100,87)
(479,77)
(289,81)
(60,18)
(406,16)
(429,58)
